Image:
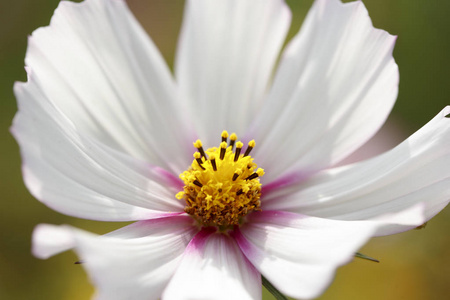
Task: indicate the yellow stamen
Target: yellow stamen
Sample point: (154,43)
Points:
(251,145)
(198,158)
(221,192)
(236,174)
(259,172)
(197,183)
(212,158)
(239,146)
(224,136)
(233,139)
(223,149)
(199,146)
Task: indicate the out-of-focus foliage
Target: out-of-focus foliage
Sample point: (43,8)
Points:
(414,265)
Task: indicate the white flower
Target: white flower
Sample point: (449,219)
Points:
(105,131)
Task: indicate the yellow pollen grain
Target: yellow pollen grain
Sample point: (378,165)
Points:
(197,155)
(252,143)
(198,144)
(224,134)
(260,172)
(233,137)
(239,144)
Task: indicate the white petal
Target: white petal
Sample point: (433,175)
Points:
(97,65)
(299,254)
(335,86)
(135,262)
(78,176)
(213,267)
(49,240)
(225,57)
(414,173)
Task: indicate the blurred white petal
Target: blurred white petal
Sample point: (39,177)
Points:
(213,267)
(78,176)
(135,262)
(299,254)
(225,56)
(49,240)
(335,86)
(412,173)
(100,69)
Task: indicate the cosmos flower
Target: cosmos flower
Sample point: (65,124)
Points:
(107,133)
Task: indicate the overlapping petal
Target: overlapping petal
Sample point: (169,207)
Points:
(299,254)
(213,267)
(412,173)
(76,175)
(135,262)
(335,86)
(226,53)
(99,68)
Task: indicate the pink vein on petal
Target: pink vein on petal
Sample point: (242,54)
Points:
(170,178)
(199,240)
(268,216)
(286,180)
(245,245)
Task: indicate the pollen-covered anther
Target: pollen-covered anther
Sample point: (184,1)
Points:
(197,183)
(224,136)
(239,146)
(198,144)
(221,186)
(236,175)
(212,158)
(233,139)
(250,146)
(198,158)
(223,149)
(258,173)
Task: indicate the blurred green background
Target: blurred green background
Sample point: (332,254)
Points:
(414,265)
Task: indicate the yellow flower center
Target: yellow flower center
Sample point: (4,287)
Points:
(221,186)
